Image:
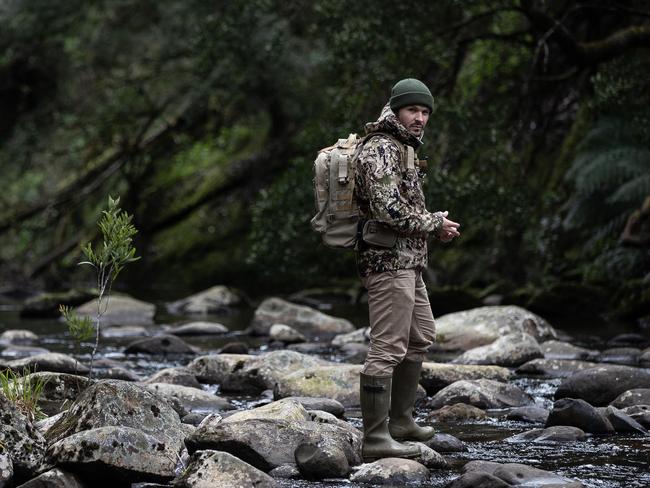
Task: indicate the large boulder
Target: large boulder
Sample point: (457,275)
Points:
(435,376)
(530,414)
(264,371)
(484,325)
(120,455)
(209,469)
(305,320)
(285,409)
(328,405)
(58,388)
(456,412)
(393,472)
(54,362)
(554,368)
(20,440)
(122,310)
(121,404)
(319,462)
(191,399)
(481,394)
(218,299)
(161,345)
(578,413)
(286,334)
(215,368)
(510,350)
(339,382)
(622,422)
(601,385)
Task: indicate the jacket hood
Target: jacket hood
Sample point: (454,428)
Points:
(388,122)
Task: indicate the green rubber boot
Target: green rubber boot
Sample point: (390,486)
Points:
(375,404)
(401,425)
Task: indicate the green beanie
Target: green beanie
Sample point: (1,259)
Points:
(410,92)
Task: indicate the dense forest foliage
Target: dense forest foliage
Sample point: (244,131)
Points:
(205,117)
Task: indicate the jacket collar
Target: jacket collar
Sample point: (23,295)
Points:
(388,122)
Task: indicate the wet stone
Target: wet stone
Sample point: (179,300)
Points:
(218,299)
(558,433)
(554,349)
(55,478)
(175,376)
(622,422)
(163,344)
(578,413)
(391,471)
(122,310)
(17,336)
(52,361)
(621,355)
(637,396)
(441,442)
(530,414)
(554,368)
(198,329)
(325,404)
(319,462)
(285,334)
(509,350)
(457,412)
(209,469)
(18,352)
(124,331)
(482,394)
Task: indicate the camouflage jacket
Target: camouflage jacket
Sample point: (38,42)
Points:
(393,195)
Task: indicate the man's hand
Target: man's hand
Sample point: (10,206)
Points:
(449,228)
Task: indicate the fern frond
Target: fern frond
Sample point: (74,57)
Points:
(634,191)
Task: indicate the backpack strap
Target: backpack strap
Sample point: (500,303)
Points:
(407,152)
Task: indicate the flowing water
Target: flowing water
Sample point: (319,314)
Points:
(620,461)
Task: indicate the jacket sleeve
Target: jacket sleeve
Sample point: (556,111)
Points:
(379,168)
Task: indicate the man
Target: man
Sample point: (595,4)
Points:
(401,323)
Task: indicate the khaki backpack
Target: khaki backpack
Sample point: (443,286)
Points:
(337,218)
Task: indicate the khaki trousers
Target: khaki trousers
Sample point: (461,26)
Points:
(401,321)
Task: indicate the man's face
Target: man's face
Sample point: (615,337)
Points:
(414,118)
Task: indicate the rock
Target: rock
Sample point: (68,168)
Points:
(578,413)
(340,383)
(122,310)
(621,355)
(478,479)
(622,422)
(217,300)
(198,328)
(215,368)
(263,372)
(124,331)
(286,334)
(601,385)
(644,358)
(328,405)
(359,336)
(236,347)
(446,443)
(47,304)
(640,413)
(286,471)
(436,376)
(557,433)
(17,336)
(18,352)
(428,457)
(286,409)
(637,396)
(121,404)
(456,412)
(510,350)
(192,399)
(175,376)
(629,340)
(116,454)
(162,344)
(45,424)
(23,444)
(355,353)
(209,469)
(54,362)
(115,374)
(304,319)
(267,443)
(391,471)
(563,350)
(483,325)
(323,298)
(554,368)
(482,394)
(511,474)
(311,348)
(530,414)
(6,470)
(58,389)
(55,478)
(316,463)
